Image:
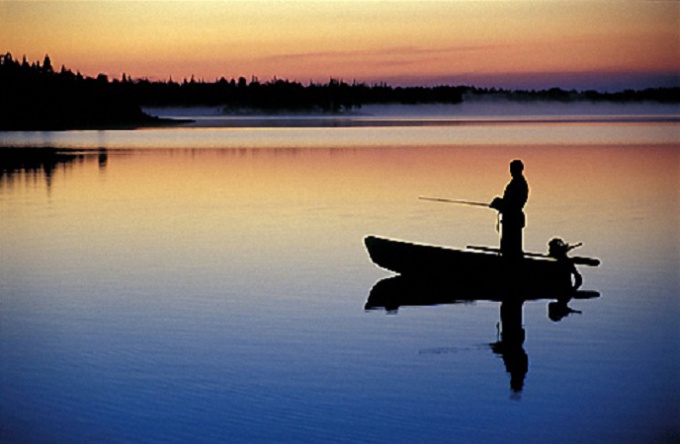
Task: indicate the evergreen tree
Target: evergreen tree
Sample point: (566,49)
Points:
(47,64)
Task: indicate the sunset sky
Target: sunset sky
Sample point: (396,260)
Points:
(528,44)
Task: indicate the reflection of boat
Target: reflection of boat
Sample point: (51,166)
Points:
(466,268)
(397,291)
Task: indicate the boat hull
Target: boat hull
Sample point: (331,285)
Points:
(468,269)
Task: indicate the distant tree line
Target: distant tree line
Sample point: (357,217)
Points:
(659,95)
(36,96)
(335,96)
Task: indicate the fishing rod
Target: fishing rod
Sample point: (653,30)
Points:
(455,201)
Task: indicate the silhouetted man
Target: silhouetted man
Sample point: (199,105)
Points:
(510,207)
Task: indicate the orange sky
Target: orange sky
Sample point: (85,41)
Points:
(402,42)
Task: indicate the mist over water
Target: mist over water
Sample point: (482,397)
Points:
(480,107)
(471,109)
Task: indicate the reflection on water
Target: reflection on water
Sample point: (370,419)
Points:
(35,162)
(394,292)
(510,344)
(188,295)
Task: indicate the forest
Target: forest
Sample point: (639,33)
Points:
(35,96)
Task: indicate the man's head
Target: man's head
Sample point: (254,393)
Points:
(516,168)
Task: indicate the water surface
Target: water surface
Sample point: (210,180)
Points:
(187,285)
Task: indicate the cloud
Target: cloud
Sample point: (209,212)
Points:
(405,54)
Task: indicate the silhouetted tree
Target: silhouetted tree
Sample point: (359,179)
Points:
(47,65)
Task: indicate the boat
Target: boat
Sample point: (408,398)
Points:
(478,268)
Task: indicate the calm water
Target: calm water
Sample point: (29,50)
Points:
(208,285)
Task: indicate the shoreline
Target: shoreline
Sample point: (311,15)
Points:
(153,122)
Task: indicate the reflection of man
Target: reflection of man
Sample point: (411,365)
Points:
(510,207)
(510,345)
